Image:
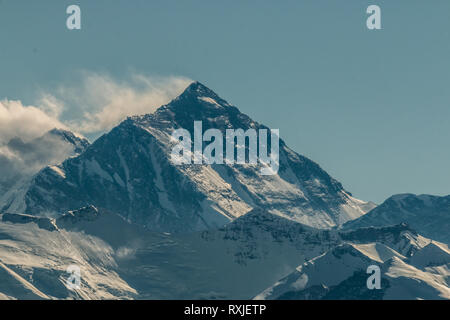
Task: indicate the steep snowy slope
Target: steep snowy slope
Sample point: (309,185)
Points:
(33,264)
(119,259)
(429,215)
(129,171)
(14,285)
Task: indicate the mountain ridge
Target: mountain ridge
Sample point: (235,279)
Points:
(429,215)
(132,162)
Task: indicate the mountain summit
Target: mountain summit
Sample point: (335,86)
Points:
(128,171)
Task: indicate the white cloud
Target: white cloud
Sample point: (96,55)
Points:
(26,122)
(19,159)
(96,104)
(19,125)
(103,102)
(50,105)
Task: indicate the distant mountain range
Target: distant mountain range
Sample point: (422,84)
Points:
(429,215)
(341,274)
(244,259)
(141,227)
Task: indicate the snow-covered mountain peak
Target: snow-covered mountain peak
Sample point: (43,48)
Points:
(196,90)
(129,171)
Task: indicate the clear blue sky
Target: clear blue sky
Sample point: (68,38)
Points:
(371,107)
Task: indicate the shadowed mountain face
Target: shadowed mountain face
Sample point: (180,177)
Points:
(429,215)
(129,171)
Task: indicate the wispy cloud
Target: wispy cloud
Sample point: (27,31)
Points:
(101,102)
(26,122)
(19,125)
